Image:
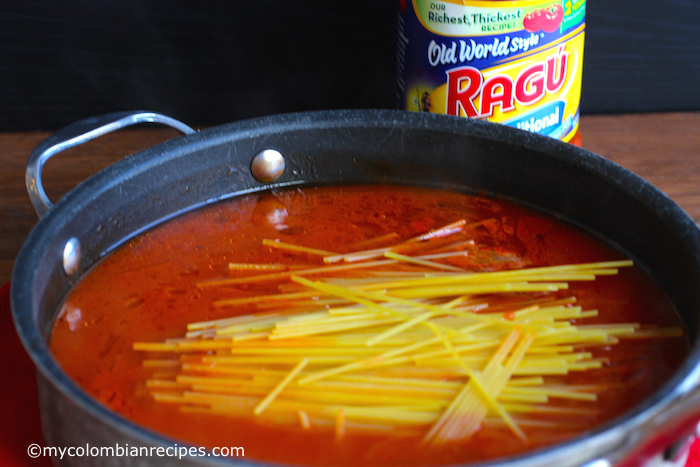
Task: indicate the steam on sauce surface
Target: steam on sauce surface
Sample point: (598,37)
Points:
(151,289)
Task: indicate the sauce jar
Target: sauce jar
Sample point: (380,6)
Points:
(514,62)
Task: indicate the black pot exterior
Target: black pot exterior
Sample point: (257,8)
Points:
(336,147)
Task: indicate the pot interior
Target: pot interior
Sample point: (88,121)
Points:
(356,147)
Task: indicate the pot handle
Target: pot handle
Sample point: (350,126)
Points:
(79,133)
(660,438)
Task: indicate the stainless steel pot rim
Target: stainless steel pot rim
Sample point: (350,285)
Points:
(681,386)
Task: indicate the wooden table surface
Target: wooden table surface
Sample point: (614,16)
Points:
(662,148)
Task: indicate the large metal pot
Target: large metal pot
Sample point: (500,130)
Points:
(336,147)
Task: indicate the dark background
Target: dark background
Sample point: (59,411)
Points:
(210,62)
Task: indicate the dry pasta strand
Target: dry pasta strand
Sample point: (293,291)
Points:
(406,344)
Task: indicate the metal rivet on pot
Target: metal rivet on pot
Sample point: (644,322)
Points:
(71,256)
(267,166)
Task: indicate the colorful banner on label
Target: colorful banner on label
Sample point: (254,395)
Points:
(517,63)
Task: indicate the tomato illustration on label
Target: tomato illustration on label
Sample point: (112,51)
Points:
(531,21)
(552,17)
(547,19)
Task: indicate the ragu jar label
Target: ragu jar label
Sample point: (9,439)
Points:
(517,63)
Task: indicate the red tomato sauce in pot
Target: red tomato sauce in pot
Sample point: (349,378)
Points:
(150,289)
